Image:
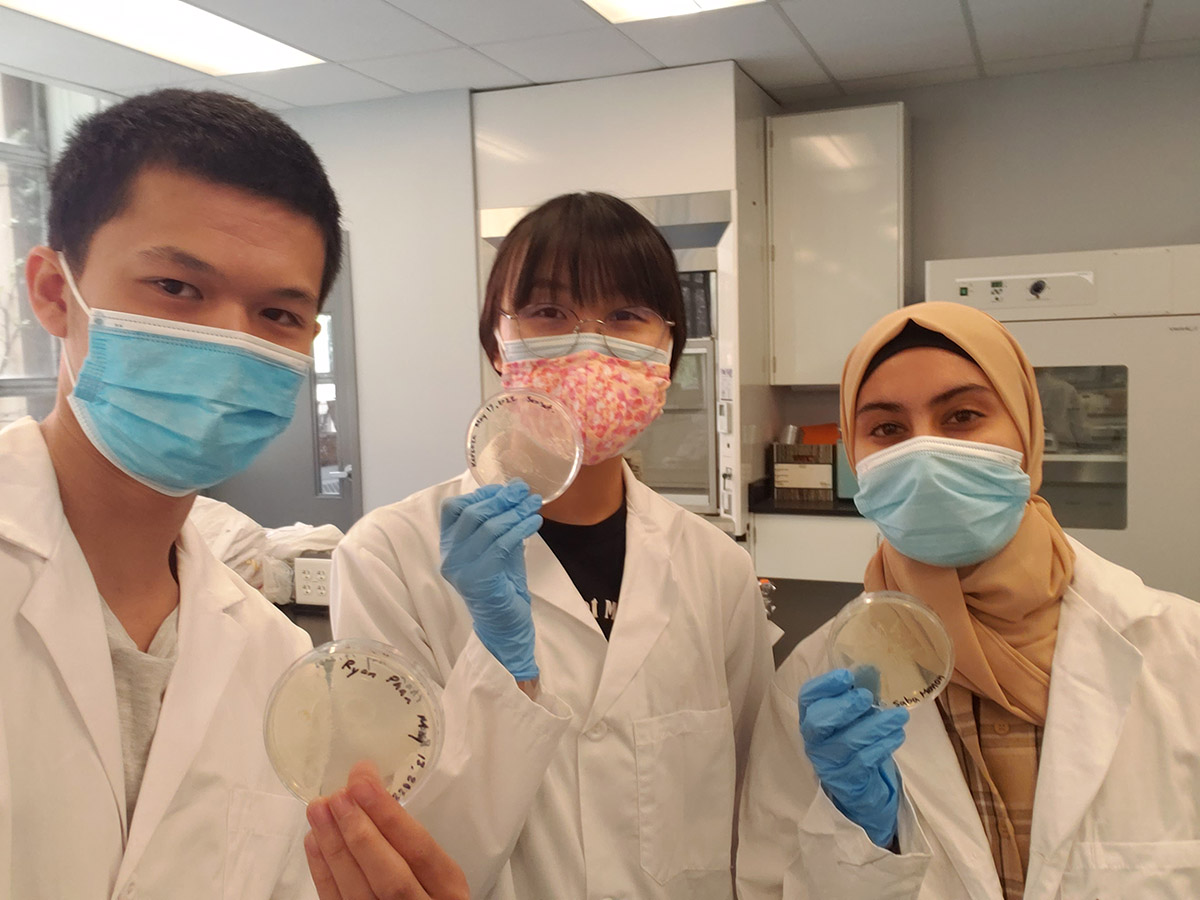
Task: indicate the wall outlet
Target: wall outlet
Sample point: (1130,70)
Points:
(312,581)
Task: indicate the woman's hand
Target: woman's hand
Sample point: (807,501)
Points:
(850,745)
(483,557)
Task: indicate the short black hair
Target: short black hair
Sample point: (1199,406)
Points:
(596,247)
(211,135)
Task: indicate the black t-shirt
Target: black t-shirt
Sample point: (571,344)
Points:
(594,557)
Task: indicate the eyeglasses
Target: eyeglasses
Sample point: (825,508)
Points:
(632,332)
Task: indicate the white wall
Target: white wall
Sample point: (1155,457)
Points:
(403,171)
(1082,159)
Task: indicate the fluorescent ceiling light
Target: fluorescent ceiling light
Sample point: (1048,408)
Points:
(618,11)
(171,30)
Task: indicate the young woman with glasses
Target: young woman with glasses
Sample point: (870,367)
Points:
(604,654)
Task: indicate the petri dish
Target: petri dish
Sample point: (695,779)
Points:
(348,701)
(525,434)
(894,645)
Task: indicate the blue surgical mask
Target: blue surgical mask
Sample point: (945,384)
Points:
(943,501)
(179,406)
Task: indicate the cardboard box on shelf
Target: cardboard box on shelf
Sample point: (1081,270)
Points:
(803,473)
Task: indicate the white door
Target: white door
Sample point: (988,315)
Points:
(837,217)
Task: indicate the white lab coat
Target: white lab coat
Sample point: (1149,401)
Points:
(1117,807)
(622,783)
(212,819)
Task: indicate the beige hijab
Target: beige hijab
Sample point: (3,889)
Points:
(1003,612)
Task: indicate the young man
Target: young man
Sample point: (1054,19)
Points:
(192,239)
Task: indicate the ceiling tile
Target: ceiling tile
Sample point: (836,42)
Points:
(335,30)
(1027,29)
(314,85)
(761,42)
(63,54)
(1160,49)
(1173,20)
(906,80)
(460,67)
(488,21)
(867,38)
(1077,60)
(567,57)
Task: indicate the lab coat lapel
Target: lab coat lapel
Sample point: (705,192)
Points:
(549,582)
(929,771)
(646,600)
(63,607)
(1092,679)
(210,645)
(31,513)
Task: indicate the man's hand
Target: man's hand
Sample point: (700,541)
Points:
(364,846)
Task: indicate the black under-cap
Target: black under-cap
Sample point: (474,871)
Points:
(910,337)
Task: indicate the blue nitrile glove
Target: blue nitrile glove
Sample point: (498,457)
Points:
(483,557)
(850,744)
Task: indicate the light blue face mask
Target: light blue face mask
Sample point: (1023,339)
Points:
(179,406)
(943,501)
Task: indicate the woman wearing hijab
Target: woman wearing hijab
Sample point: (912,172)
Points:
(1063,760)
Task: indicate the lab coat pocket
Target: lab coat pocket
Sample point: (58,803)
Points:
(685,774)
(1159,870)
(264,829)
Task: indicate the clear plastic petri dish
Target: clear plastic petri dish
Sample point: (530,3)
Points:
(348,701)
(894,645)
(525,434)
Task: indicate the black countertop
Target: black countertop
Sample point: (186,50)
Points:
(769,506)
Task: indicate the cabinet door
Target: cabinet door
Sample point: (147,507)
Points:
(837,202)
(813,548)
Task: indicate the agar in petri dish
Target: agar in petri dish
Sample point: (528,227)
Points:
(894,645)
(525,434)
(348,701)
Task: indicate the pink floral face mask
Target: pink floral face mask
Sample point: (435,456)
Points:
(613,399)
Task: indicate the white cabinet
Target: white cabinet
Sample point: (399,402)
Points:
(813,548)
(669,131)
(837,215)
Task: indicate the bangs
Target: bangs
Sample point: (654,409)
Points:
(590,251)
(594,259)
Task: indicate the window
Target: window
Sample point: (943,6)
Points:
(1084,469)
(325,387)
(33,119)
